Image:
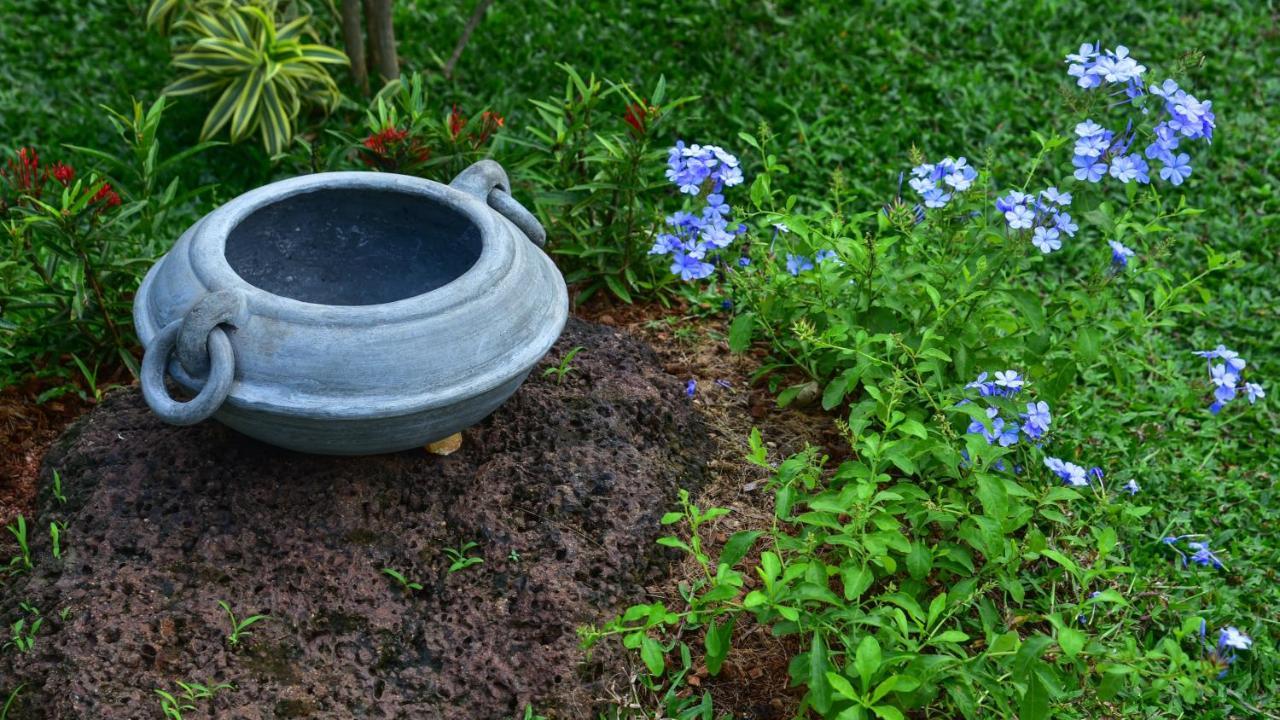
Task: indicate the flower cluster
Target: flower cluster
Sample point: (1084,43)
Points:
(797,264)
(1093,67)
(695,238)
(393,150)
(1007,384)
(490,123)
(1043,215)
(936,183)
(1099,151)
(1225,377)
(25,176)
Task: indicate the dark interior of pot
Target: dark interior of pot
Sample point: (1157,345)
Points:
(353,246)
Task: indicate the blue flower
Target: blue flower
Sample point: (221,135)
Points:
(1224,383)
(1124,168)
(1088,169)
(1037,419)
(1176,169)
(1119,254)
(936,198)
(824,255)
(1010,380)
(1020,217)
(982,385)
(1070,473)
(1231,638)
(1131,487)
(1203,555)
(689,267)
(1062,221)
(1057,198)
(666,244)
(690,387)
(1046,239)
(929,178)
(1254,391)
(744,261)
(1089,128)
(797,264)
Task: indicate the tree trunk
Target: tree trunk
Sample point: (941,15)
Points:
(353,39)
(476,16)
(382,39)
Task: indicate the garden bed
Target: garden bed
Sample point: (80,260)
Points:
(561,489)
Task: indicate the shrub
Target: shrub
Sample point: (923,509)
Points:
(78,243)
(264,75)
(980,553)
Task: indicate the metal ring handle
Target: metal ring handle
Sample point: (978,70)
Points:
(487,181)
(217,386)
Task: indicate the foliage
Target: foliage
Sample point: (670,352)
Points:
(565,366)
(239,628)
(23,630)
(404,582)
(263,75)
(589,154)
(963,560)
(173,706)
(459,558)
(22,561)
(77,247)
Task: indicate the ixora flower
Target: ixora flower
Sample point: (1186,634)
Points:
(1225,377)
(937,183)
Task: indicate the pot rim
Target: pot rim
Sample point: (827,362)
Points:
(207,250)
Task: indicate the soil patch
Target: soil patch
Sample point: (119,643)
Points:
(561,489)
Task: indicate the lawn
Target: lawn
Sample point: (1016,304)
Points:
(852,96)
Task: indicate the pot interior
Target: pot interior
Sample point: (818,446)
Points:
(342,246)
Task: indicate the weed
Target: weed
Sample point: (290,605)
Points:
(459,557)
(239,628)
(21,561)
(404,582)
(564,368)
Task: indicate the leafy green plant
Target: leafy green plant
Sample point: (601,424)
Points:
(239,628)
(55,537)
(173,706)
(77,250)
(459,558)
(263,74)
(594,143)
(405,583)
(564,367)
(10,700)
(23,630)
(57,488)
(21,561)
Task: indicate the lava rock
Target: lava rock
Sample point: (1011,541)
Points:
(561,489)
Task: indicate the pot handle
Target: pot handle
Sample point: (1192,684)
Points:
(202,346)
(488,181)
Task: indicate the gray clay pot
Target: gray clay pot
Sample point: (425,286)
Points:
(351,313)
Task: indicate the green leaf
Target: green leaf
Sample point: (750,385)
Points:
(277,130)
(194,83)
(919,560)
(323,54)
(246,105)
(841,685)
(1088,343)
(222,109)
(888,712)
(1035,701)
(737,546)
(717,643)
(652,655)
(740,332)
(819,688)
(1071,641)
(867,660)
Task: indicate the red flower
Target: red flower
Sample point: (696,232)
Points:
(26,175)
(379,141)
(456,122)
(107,196)
(637,116)
(489,124)
(63,173)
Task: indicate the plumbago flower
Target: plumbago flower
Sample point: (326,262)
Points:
(1223,656)
(1100,152)
(937,183)
(1201,554)
(1225,377)
(1044,215)
(695,240)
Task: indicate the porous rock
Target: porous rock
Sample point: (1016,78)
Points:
(561,488)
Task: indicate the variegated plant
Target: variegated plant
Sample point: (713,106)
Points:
(264,74)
